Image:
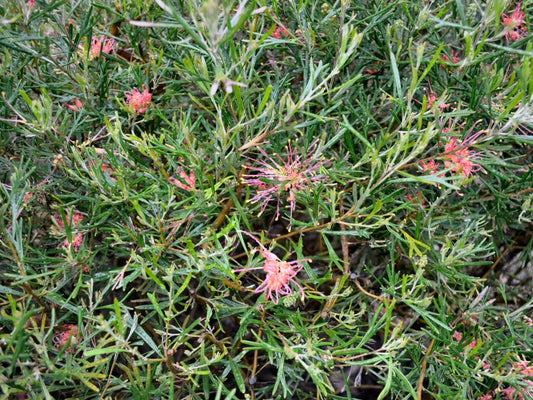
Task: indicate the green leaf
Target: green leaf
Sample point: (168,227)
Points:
(347,125)
(396,76)
(118,314)
(156,306)
(436,56)
(184,285)
(237,374)
(132,323)
(105,350)
(264,100)
(414,244)
(153,277)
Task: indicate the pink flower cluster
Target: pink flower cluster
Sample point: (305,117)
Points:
(137,101)
(455,57)
(432,98)
(292,175)
(69,334)
(279,274)
(458,157)
(515,28)
(101,45)
(522,367)
(431,166)
(73,222)
(458,336)
(280,32)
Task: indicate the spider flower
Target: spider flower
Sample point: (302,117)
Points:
(459,157)
(279,274)
(137,101)
(514,25)
(101,45)
(274,178)
(431,166)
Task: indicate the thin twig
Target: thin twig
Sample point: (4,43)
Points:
(230,203)
(423,371)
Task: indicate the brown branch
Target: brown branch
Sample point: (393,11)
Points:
(423,372)
(344,241)
(368,293)
(230,203)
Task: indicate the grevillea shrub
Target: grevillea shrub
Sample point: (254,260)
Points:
(224,199)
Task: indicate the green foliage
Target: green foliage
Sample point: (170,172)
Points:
(378,151)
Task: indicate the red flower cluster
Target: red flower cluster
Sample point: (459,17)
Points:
(431,166)
(279,31)
(69,334)
(137,101)
(101,45)
(432,98)
(458,157)
(514,25)
(279,274)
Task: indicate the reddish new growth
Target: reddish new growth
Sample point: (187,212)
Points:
(459,157)
(190,180)
(137,101)
(514,25)
(75,221)
(101,45)
(68,335)
(292,175)
(278,274)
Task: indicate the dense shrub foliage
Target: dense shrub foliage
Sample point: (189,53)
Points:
(266,199)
